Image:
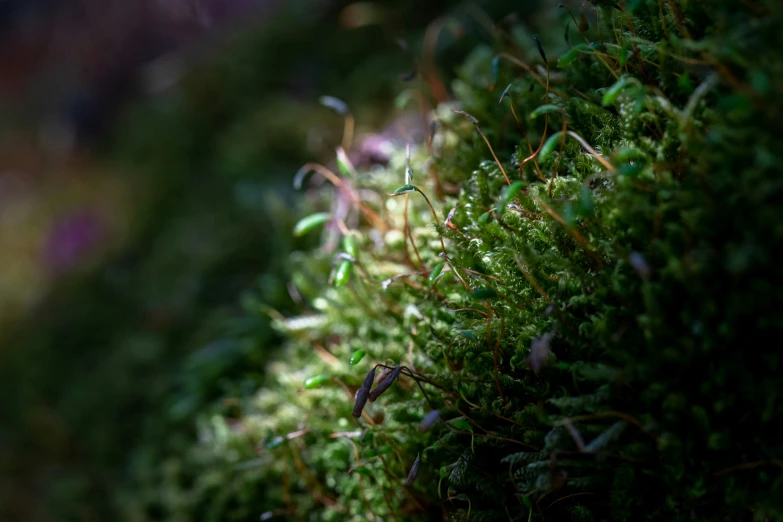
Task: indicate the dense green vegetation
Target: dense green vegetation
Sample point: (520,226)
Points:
(577,272)
(590,311)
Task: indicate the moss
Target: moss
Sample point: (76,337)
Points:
(598,345)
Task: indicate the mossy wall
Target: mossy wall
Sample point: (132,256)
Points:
(578,273)
(591,301)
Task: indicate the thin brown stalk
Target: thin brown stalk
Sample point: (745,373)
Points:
(392,279)
(317,491)
(593,152)
(459,276)
(569,496)
(748,465)
(601,414)
(409,234)
(587,41)
(541,144)
(529,145)
(435,216)
(535,76)
(495,359)
(574,232)
(431,35)
(500,165)
(335,180)
(348,130)
(559,157)
(531,280)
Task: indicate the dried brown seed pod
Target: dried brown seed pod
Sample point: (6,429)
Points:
(361,401)
(362,393)
(414,471)
(385,384)
(429,420)
(369,379)
(384,373)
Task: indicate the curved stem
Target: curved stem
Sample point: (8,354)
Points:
(535,76)
(500,165)
(592,152)
(409,234)
(348,132)
(435,216)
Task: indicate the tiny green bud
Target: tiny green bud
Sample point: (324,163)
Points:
(356,356)
(437,269)
(343,273)
(308,223)
(316,381)
(405,189)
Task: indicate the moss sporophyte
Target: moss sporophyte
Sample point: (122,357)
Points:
(540,327)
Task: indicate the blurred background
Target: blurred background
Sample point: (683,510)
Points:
(147,150)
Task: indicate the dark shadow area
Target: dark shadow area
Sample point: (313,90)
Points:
(102,376)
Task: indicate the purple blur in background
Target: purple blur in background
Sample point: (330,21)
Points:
(71,240)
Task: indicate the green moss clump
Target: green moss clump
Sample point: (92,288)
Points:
(599,340)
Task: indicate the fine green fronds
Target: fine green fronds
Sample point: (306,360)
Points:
(593,340)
